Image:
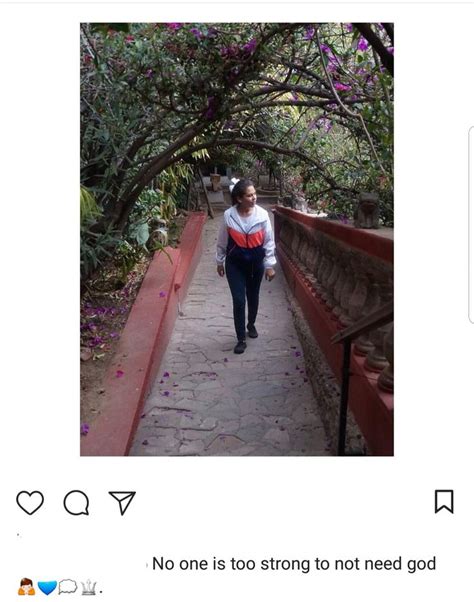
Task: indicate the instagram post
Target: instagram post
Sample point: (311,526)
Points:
(213,213)
(302,117)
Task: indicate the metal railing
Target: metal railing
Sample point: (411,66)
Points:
(380,317)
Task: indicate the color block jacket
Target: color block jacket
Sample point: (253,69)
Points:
(246,240)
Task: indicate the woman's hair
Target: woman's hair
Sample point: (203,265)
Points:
(239,190)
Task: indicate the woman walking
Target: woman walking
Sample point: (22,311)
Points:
(245,243)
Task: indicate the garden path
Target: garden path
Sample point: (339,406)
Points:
(208,401)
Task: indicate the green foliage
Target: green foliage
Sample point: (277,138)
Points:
(96,248)
(89,207)
(145,85)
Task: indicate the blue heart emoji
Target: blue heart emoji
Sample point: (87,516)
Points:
(47,586)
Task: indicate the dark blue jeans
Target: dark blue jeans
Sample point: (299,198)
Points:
(244,280)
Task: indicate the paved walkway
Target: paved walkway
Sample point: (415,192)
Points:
(208,401)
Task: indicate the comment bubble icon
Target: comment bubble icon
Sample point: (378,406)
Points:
(76,503)
(67,586)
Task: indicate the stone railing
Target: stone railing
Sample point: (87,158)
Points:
(346,274)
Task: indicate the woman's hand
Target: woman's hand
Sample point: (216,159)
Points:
(269,274)
(220,270)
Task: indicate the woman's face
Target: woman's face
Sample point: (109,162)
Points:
(249,198)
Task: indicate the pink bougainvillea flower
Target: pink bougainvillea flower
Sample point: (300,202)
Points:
(174,26)
(119,374)
(162,294)
(84,428)
(341,87)
(129,39)
(362,44)
(166,375)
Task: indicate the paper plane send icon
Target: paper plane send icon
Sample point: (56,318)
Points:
(123,498)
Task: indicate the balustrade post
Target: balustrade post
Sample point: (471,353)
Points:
(385,380)
(376,360)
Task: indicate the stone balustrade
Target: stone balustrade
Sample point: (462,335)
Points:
(347,273)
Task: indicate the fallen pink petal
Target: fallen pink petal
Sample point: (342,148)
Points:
(166,375)
(84,428)
(119,373)
(162,294)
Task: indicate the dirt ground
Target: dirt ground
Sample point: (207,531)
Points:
(104,311)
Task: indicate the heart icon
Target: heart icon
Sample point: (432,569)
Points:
(30,502)
(47,586)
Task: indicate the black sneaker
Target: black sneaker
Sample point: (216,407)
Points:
(253,334)
(240,347)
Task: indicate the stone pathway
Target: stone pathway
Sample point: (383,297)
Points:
(208,401)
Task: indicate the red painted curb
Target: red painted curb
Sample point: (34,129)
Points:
(372,408)
(143,343)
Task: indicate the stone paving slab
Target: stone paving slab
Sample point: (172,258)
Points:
(208,401)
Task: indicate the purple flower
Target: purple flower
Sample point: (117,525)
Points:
(348,27)
(341,87)
(390,50)
(212,32)
(362,44)
(297,353)
(250,46)
(325,48)
(295,97)
(309,33)
(162,294)
(166,393)
(149,73)
(166,375)
(84,428)
(196,33)
(119,374)
(174,26)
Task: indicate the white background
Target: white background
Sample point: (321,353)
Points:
(243,507)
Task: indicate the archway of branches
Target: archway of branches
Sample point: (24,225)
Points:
(312,103)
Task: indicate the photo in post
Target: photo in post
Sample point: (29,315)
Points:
(237,239)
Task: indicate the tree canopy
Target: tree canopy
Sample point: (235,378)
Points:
(312,101)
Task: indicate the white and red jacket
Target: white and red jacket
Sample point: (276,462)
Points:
(246,239)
